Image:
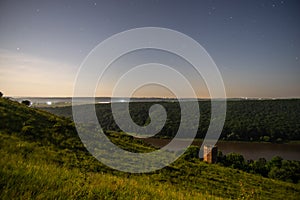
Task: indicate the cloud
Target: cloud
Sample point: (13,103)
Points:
(26,75)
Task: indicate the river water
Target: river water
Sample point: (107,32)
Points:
(250,150)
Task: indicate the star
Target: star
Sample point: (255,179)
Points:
(18,49)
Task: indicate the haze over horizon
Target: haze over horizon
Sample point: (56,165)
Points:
(255,44)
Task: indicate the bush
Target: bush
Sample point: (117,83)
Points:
(235,160)
(26,102)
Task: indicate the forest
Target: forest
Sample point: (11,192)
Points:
(274,121)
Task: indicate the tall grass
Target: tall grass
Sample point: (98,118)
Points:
(33,179)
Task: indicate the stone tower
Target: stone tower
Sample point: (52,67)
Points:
(210,154)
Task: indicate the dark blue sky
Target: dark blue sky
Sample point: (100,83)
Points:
(255,44)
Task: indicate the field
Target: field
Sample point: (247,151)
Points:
(43,158)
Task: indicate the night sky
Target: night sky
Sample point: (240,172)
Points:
(255,44)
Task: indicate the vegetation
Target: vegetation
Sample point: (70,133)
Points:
(42,157)
(246,120)
(26,102)
(276,168)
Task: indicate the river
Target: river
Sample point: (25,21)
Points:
(250,150)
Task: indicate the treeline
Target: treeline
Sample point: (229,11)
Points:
(246,120)
(276,168)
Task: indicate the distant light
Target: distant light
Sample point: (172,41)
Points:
(103,102)
(49,103)
(122,100)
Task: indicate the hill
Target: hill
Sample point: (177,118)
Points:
(42,157)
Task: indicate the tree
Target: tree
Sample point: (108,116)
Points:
(26,102)
(260,167)
(235,160)
(1,94)
(276,161)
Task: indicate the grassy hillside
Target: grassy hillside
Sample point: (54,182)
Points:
(42,157)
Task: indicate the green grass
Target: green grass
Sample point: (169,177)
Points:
(29,171)
(48,161)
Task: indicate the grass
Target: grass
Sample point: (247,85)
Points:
(33,176)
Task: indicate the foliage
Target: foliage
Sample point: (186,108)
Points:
(246,120)
(26,102)
(276,168)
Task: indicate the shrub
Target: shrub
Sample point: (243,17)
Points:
(26,102)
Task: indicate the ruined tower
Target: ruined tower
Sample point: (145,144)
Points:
(210,154)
